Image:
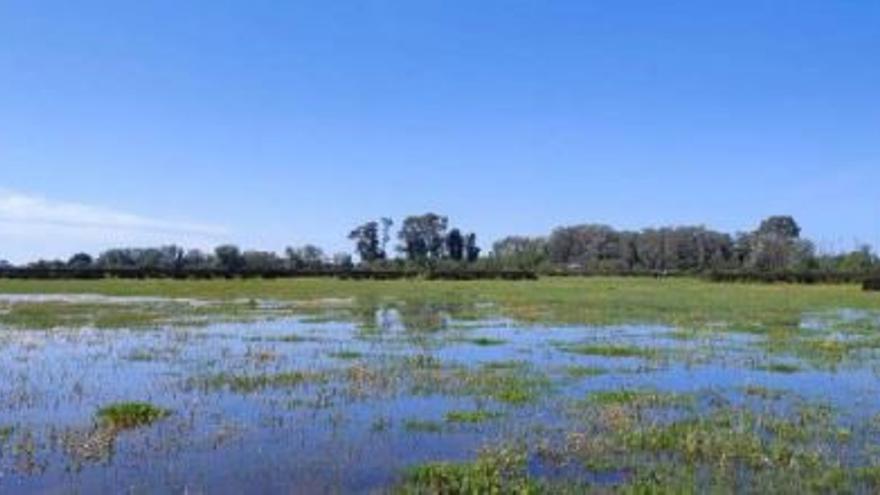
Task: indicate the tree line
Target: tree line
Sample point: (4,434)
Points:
(428,244)
(774,246)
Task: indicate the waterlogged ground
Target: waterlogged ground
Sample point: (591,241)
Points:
(410,393)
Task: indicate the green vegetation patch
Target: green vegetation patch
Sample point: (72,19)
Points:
(763,392)
(513,386)
(346,354)
(640,398)
(485,341)
(255,382)
(577,371)
(5,433)
(502,471)
(509,364)
(609,350)
(475,416)
(128,415)
(48,315)
(778,367)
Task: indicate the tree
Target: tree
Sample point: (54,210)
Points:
(520,252)
(781,225)
(80,261)
(455,245)
(195,259)
(343,261)
(776,245)
(742,248)
(862,260)
(305,257)
(229,258)
(115,259)
(599,247)
(367,243)
(261,261)
(472,251)
(422,237)
(386,234)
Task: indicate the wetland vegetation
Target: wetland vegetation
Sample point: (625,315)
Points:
(557,385)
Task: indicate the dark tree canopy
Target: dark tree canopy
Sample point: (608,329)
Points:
(455,245)
(80,261)
(472,251)
(521,252)
(305,257)
(781,225)
(422,237)
(367,243)
(428,242)
(229,258)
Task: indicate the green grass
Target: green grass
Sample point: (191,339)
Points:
(664,442)
(577,371)
(143,355)
(246,383)
(785,368)
(609,350)
(291,339)
(596,300)
(485,341)
(789,453)
(763,392)
(348,355)
(5,433)
(640,398)
(502,471)
(128,415)
(476,416)
(515,386)
(510,364)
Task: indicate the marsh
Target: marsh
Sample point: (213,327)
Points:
(587,384)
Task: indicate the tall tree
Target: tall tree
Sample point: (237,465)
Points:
(422,237)
(386,234)
(472,251)
(367,242)
(776,245)
(195,259)
(455,245)
(261,261)
(305,257)
(229,258)
(520,251)
(80,261)
(782,225)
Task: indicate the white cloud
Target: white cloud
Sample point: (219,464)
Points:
(33,226)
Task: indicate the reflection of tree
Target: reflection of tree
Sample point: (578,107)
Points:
(413,317)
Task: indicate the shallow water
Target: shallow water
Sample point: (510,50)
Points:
(373,397)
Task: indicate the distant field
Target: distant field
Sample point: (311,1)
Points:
(629,385)
(575,299)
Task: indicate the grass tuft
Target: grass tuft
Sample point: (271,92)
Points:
(128,415)
(478,416)
(609,350)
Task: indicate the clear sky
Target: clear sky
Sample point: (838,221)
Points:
(269,123)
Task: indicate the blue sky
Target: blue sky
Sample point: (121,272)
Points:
(270,123)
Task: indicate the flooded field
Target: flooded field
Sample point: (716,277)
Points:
(578,386)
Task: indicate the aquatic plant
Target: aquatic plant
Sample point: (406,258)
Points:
(498,471)
(476,416)
(127,415)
